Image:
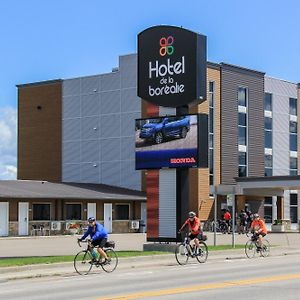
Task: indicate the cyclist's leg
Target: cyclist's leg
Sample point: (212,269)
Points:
(101,243)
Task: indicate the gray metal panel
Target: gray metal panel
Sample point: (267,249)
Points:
(128,123)
(110,102)
(90,128)
(110,82)
(110,173)
(129,101)
(110,126)
(167,203)
(71,129)
(280,87)
(90,151)
(281,92)
(128,148)
(71,152)
(71,87)
(130,178)
(286,205)
(110,149)
(71,107)
(90,105)
(90,172)
(90,85)
(231,79)
(128,70)
(71,172)
(163,111)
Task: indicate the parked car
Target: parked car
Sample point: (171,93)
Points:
(159,129)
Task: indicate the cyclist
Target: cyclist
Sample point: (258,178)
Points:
(226,219)
(259,229)
(193,223)
(99,237)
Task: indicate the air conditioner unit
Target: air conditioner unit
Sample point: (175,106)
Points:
(134,224)
(56,225)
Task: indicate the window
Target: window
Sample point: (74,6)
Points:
(40,212)
(293,142)
(242,119)
(73,211)
(268,101)
(242,129)
(268,165)
(242,96)
(293,166)
(293,127)
(293,106)
(293,136)
(242,136)
(294,208)
(242,164)
(268,123)
(268,139)
(122,211)
(268,210)
(211,131)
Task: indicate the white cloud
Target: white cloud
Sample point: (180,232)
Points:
(8,143)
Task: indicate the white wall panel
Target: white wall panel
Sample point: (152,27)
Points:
(167,203)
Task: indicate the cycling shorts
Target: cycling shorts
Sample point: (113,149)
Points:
(193,236)
(99,242)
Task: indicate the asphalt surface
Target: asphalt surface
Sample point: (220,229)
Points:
(226,275)
(131,263)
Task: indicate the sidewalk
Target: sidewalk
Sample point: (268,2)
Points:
(67,269)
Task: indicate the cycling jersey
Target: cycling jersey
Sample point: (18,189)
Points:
(98,233)
(194,226)
(259,225)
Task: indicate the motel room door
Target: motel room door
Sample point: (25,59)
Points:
(91,210)
(108,216)
(23,218)
(4,208)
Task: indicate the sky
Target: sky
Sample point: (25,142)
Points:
(51,39)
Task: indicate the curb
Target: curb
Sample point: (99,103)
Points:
(34,271)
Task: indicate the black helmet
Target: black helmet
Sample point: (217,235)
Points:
(192,214)
(91,219)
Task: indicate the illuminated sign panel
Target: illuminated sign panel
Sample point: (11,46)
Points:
(171,66)
(167,142)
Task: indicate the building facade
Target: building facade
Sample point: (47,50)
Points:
(87,136)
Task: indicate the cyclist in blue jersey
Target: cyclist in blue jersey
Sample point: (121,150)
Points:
(98,236)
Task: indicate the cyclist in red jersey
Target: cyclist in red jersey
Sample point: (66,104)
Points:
(193,223)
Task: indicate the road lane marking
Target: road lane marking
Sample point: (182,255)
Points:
(197,288)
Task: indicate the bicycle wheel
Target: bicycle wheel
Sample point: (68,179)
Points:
(110,265)
(250,249)
(202,253)
(82,262)
(181,254)
(265,251)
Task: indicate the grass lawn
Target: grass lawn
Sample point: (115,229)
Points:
(22,261)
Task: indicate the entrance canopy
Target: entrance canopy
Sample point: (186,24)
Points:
(259,186)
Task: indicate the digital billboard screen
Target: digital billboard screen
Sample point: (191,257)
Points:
(167,142)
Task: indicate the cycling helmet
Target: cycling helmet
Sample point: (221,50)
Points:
(255,216)
(91,219)
(192,214)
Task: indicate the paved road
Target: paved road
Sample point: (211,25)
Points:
(276,277)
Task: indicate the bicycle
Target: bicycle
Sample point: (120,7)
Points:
(252,247)
(83,261)
(185,250)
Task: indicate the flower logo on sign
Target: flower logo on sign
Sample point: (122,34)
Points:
(166,46)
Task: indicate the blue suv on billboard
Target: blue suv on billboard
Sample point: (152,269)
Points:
(159,129)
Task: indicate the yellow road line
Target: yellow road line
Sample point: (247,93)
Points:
(197,288)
